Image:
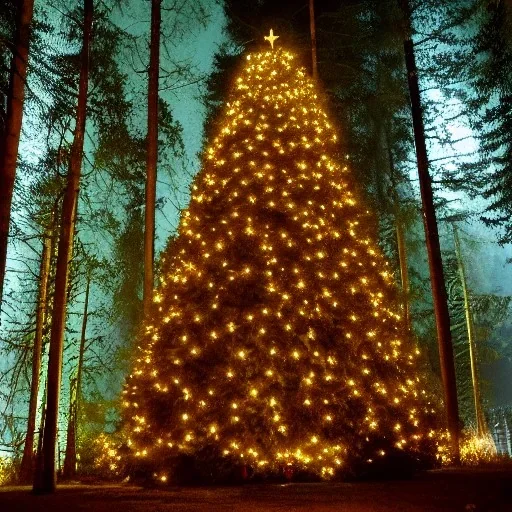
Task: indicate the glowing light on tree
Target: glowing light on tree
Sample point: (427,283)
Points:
(276,338)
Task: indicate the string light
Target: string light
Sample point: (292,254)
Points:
(282,308)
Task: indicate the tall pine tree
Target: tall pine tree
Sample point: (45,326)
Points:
(493,57)
(275,340)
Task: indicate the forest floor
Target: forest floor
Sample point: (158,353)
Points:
(463,490)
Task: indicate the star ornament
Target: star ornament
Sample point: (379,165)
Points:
(271,38)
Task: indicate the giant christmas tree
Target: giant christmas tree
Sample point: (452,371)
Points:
(276,339)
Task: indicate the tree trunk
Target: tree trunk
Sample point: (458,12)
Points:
(27,461)
(152,155)
(312,27)
(402,260)
(439,295)
(481,426)
(404,271)
(400,236)
(11,137)
(38,470)
(67,224)
(69,471)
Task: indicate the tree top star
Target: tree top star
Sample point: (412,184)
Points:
(271,38)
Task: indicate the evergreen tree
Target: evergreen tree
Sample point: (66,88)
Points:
(45,481)
(152,154)
(439,295)
(11,125)
(360,62)
(475,319)
(493,58)
(466,55)
(275,339)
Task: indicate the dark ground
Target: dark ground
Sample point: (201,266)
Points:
(464,490)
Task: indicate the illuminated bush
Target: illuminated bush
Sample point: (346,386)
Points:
(103,459)
(477,449)
(8,470)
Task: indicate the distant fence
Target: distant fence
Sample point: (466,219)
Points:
(500,424)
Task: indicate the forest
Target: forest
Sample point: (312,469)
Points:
(136,156)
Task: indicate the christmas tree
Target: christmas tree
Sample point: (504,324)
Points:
(276,339)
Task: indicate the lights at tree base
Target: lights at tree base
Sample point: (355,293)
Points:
(476,449)
(7,470)
(107,458)
(276,336)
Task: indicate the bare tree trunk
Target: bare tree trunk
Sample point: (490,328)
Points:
(83,339)
(481,426)
(152,155)
(400,236)
(27,461)
(38,470)
(404,271)
(439,295)
(75,398)
(10,139)
(312,27)
(67,224)
(69,469)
